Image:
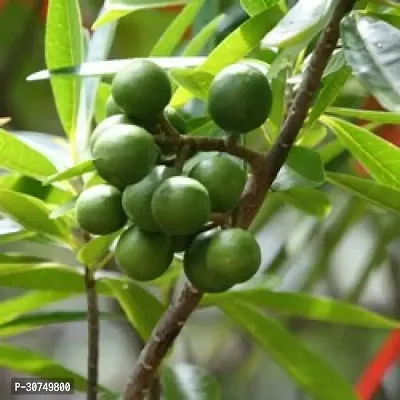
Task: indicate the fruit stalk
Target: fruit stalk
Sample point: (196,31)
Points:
(265,168)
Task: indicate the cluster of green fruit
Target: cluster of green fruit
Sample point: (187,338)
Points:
(163,210)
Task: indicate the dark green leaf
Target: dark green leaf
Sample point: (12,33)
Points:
(94,251)
(115,9)
(303,168)
(73,172)
(379,157)
(184,381)
(17,156)
(308,200)
(300,22)
(234,48)
(371,46)
(141,308)
(375,193)
(309,371)
(171,38)
(33,214)
(64,47)
(384,117)
(306,306)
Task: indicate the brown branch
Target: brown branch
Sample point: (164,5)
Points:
(265,168)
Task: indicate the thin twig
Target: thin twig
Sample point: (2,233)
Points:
(265,169)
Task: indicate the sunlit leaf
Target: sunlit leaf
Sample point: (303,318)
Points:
(103,91)
(73,172)
(64,47)
(253,7)
(384,117)
(63,210)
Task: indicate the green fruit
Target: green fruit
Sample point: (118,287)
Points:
(240,99)
(196,268)
(176,119)
(224,180)
(181,205)
(112,107)
(136,199)
(142,89)
(99,210)
(106,123)
(124,154)
(143,256)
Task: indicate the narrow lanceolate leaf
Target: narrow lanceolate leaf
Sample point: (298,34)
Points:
(184,381)
(94,251)
(115,9)
(15,155)
(306,306)
(103,91)
(332,85)
(302,168)
(33,214)
(371,47)
(141,308)
(64,47)
(171,38)
(301,21)
(111,67)
(197,44)
(26,361)
(15,307)
(379,157)
(384,117)
(234,48)
(309,200)
(64,209)
(253,7)
(73,172)
(308,370)
(381,195)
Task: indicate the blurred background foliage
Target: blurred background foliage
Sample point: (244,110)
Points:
(352,254)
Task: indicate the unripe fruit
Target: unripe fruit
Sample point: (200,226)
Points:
(112,108)
(136,199)
(240,98)
(142,89)
(196,268)
(230,256)
(224,180)
(99,210)
(181,206)
(124,154)
(175,119)
(143,256)
(107,123)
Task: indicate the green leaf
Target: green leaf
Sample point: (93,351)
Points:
(28,323)
(13,308)
(303,168)
(17,156)
(94,251)
(196,82)
(332,85)
(103,91)
(10,231)
(300,22)
(367,189)
(311,137)
(111,67)
(64,47)
(378,156)
(33,214)
(235,47)
(17,258)
(29,362)
(72,172)
(308,200)
(171,38)
(184,381)
(141,308)
(384,117)
(305,305)
(63,210)
(331,150)
(254,7)
(197,44)
(309,371)
(116,9)
(370,46)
